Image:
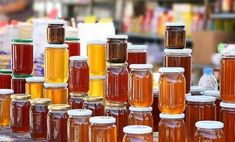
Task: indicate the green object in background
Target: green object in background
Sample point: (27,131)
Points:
(220,47)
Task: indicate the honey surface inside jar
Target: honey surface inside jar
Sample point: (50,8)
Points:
(57,95)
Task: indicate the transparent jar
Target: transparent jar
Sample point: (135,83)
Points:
(137,54)
(155,110)
(55,31)
(78,125)
(34,87)
(76,100)
(95,104)
(73,46)
(102,129)
(18,83)
(209,131)
(57,92)
(5,79)
(96,88)
(141,85)
(171,98)
(196,90)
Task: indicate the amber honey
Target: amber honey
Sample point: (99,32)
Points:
(96,88)
(58,93)
(95,104)
(34,87)
(76,100)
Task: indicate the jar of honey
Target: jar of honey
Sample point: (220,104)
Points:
(55,31)
(78,125)
(96,57)
(73,46)
(22,56)
(172,84)
(171,128)
(5,79)
(57,92)
(102,129)
(5,101)
(56,63)
(18,83)
(137,133)
(19,113)
(155,111)
(175,35)
(116,49)
(96,88)
(117,78)
(57,123)
(137,54)
(78,74)
(95,104)
(209,131)
(141,85)
(38,118)
(198,108)
(34,87)
(120,113)
(180,58)
(76,100)
(196,90)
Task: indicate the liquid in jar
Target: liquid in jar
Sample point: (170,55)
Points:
(5,79)
(97,86)
(155,111)
(95,104)
(137,54)
(34,87)
(76,100)
(73,46)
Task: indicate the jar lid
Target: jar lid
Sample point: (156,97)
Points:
(97,77)
(56,22)
(93,99)
(6,91)
(177,51)
(229,52)
(79,112)
(78,58)
(41,101)
(55,85)
(22,41)
(35,79)
(171,70)
(24,76)
(196,89)
(117,37)
(137,129)
(171,116)
(140,109)
(5,71)
(116,105)
(155,91)
(141,66)
(214,93)
(116,64)
(227,105)
(78,94)
(209,124)
(56,45)
(137,47)
(71,39)
(96,42)
(58,107)
(102,120)
(175,24)
(200,98)
(20,97)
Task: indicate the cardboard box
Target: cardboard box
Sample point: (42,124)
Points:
(205,45)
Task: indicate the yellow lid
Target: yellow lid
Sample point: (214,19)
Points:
(41,101)
(58,107)
(20,97)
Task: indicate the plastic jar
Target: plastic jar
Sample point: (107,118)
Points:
(34,87)
(55,31)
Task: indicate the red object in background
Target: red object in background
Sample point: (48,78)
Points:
(155,112)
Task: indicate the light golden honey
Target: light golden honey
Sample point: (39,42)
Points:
(58,95)
(96,88)
(35,89)
(5,110)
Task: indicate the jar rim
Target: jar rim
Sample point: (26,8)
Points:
(214,93)
(78,58)
(20,97)
(58,107)
(171,116)
(22,41)
(171,70)
(78,94)
(227,105)
(92,99)
(36,79)
(140,109)
(40,101)
(141,66)
(71,39)
(177,51)
(102,120)
(209,124)
(55,85)
(137,129)
(175,24)
(117,37)
(24,76)
(6,71)
(56,22)
(79,112)
(110,105)
(196,89)
(137,47)
(96,42)
(116,64)
(200,98)
(6,91)
(48,45)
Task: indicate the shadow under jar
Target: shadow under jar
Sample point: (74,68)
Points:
(95,104)
(55,32)
(76,100)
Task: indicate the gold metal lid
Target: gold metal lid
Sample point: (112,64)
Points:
(20,97)
(93,99)
(78,94)
(116,104)
(116,64)
(58,107)
(40,101)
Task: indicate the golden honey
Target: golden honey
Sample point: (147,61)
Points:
(97,88)
(34,87)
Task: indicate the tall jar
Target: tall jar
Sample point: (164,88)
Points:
(137,54)
(34,87)
(55,31)
(97,86)
(5,79)
(18,83)
(95,104)
(73,46)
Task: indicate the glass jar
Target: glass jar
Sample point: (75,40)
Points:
(171,97)
(34,87)
(57,123)
(56,63)
(96,57)
(141,85)
(22,56)
(55,31)
(76,100)
(116,49)
(18,83)
(209,131)
(175,35)
(117,77)
(78,125)
(73,46)
(198,108)
(137,133)
(95,104)
(5,79)
(140,116)
(102,129)
(171,128)
(137,54)
(196,90)
(5,101)
(19,113)
(78,74)
(155,110)
(120,113)
(227,116)
(96,88)
(38,118)
(57,92)
(180,58)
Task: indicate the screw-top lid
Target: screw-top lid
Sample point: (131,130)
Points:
(227,105)
(196,89)
(171,70)
(155,91)
(140,109)
(78,94)
(137,129)
(55,85)
(214,93)
(137,47)
(24,76)
(177,51)
(102,120)
(229,50)
(202,99)
(59,107)
(171,116)
(116,106)
(40,101)
(6,91)
(56,22)
(97,77)
(22,41)
(208,70)
(78,58)
(116,64)
(20,97)
(5,71)
(79,112)
(96,42)
(72,39)
(209,124)
(175,24)
(93,99)
(117,37)
(56,45)
(141,66)
(35,79)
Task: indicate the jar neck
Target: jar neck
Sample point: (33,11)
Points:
(200,103)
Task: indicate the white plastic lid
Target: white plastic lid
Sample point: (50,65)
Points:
(171,70)
(209,124)
(79,112)
(214,93)
(99,42)
(229,51)
(56,45)
(174,24)
(171,116)
(78,58)
(35,79)
(155,90)
(177,51)
(137,129)
(55,85)
(56,22)
(97,77)
(140,109)
(196,89)
(137,47)
(6,91)
(117,37)
(102,120)
(227,105)
(200,98)
(141,66)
